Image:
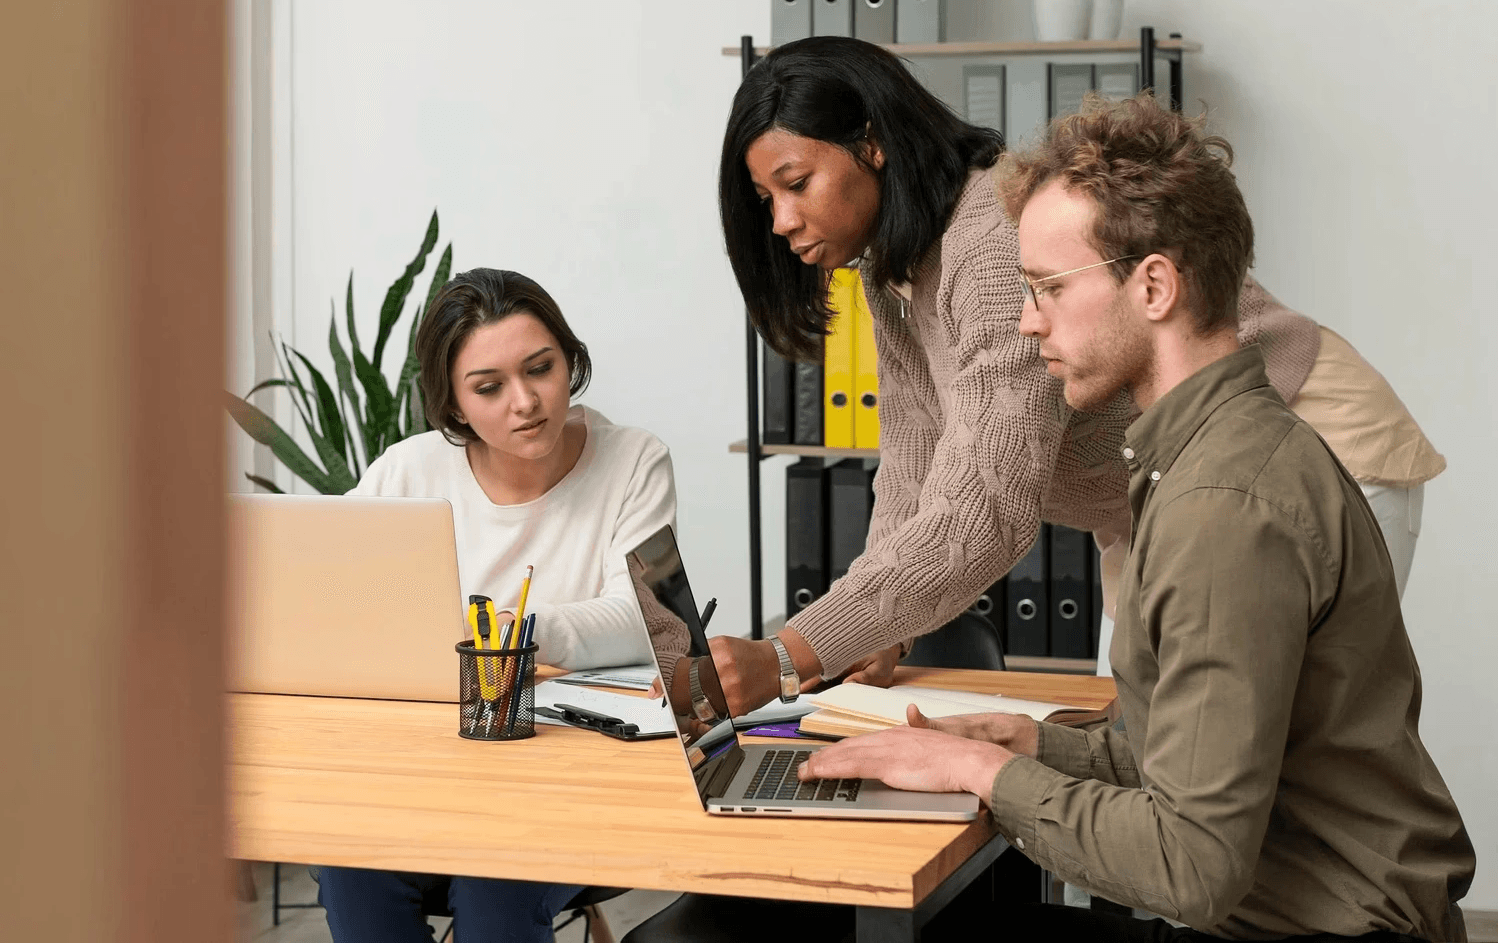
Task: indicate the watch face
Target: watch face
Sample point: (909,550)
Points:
(789,687)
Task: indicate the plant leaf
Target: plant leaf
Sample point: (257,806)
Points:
(265,384)
(265,483)
(348,391)
(408,373)
(378,403)
(264,430)
(395,297)
(330,439)
(299,400)
(348,311)
(439,278)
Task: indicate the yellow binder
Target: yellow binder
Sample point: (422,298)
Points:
(865,373)
(837,363)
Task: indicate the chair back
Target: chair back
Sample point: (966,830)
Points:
(968,641)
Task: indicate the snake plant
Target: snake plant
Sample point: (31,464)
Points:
(343,425)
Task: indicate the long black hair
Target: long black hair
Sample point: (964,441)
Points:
(849,93)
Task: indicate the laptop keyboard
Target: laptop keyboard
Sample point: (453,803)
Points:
(776,780)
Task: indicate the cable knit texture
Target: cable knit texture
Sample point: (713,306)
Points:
(977,444)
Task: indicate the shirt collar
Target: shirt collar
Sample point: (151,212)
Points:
(1156,438)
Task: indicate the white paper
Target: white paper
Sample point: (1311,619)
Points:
(629,677)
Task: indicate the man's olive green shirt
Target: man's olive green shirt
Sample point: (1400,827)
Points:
(1272,781)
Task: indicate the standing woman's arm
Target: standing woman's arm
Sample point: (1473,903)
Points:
(978,505)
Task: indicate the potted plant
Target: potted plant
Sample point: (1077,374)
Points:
(347,430)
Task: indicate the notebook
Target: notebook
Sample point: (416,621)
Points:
(850,709)
(732,777)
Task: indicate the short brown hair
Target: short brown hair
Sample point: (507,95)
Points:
(1161,185)
(472,300)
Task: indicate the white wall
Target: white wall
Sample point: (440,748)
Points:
(574,142)
(578,143)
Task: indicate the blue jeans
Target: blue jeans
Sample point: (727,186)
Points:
(366,906)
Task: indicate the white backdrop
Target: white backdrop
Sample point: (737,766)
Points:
(578,143)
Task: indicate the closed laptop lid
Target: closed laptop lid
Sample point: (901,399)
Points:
(343,596)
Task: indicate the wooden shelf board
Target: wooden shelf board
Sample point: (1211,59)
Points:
(818,451)
(1016,49)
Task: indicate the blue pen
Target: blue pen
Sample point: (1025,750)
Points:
(528,630)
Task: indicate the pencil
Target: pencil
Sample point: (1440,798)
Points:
(525,590)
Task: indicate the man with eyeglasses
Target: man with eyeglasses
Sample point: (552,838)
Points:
(1271,783)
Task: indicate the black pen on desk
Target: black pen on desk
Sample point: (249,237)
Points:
(707,612)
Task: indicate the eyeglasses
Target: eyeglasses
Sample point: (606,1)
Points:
(1035,289)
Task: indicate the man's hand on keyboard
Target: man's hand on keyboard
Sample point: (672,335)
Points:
(914,758)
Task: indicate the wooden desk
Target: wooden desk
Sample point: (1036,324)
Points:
(389,784)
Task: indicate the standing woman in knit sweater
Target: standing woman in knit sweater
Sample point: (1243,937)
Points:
(835,155)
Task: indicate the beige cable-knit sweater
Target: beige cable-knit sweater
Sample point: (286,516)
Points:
(977,445)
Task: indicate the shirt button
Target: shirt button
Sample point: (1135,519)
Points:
(1128,452)
(1019,843)
(1154,476)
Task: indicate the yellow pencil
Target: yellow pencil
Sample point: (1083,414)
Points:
(525,590)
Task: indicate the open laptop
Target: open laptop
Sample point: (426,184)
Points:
(344,596)
(732,777)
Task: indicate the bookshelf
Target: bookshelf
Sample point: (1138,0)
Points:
(1150,51)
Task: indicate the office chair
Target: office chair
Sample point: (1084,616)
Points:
(968,641)
(583,905)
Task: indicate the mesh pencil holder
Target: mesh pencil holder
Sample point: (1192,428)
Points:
(496,692)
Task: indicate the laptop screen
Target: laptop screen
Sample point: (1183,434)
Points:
(671,618)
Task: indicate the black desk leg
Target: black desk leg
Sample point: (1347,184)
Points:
(885,925)
(896,925)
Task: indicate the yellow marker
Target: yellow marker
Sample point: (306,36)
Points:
(525,590)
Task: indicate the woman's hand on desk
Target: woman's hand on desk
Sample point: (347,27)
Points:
(1013,732)
(877,669)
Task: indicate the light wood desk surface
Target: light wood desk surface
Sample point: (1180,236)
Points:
(390,784)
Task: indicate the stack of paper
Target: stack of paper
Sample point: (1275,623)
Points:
(851,708)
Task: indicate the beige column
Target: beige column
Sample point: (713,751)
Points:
(112,287)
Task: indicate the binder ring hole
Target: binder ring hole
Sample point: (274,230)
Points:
(1026,609)
(984,605)
(804,597)
(868,400)
(1068,608)
(839,399)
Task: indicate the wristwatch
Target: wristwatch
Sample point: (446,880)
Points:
(701,706)
(790,682)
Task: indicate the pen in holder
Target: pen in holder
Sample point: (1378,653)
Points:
(496,692)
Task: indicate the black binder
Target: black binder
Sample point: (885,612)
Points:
(805,534)
(776,397)
(1071,593)
(850,496)
(1028,618)
(806,421)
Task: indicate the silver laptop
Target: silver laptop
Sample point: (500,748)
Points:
(737,778)
(344,596)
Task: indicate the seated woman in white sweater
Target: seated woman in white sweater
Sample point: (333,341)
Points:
(532,480)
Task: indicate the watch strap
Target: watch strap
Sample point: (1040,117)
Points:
(701,706)
(790,681)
